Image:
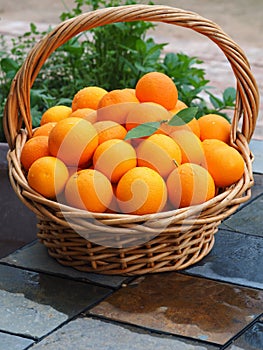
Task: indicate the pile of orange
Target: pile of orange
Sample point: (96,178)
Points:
(82,155)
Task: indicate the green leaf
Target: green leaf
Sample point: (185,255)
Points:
(142,130)
(8,64)
(216,102)
(183,117)
(229,95)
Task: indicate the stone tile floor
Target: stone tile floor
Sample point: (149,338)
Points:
(214,304)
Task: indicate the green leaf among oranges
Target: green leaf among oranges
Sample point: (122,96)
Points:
(146,129)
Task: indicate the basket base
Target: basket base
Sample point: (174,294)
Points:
(167,252)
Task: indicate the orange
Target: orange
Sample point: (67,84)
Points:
(88,97)
(190,184)
(55,114)
(190,145)
(89,189)
(73,140)
(113,206)
(48,176)
(159,152)
(224,162)
(178,107)
(214,126)
(131,90)
(140,191)
(117,96)
(86,113)
(34,148)
(44,130)
(144,113)
(157,87)
(109,130)
(114,158)
(116,113)
(115,105)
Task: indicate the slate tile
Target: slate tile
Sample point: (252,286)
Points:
(80,332)
(13,342)
(257,188)
(17,221)
(34,304)
(8,246)
(252,339)
(184,305)
(35,257)
(256,147)
(248,219)
(235,258)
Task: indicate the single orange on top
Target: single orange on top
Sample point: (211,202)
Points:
(140,191)
(114,158)
(86,113)
(89,189)
(224,162)
(34,148)
(88,97)
(157,87)
(189,184)
(73,140)
(214,126)
(159,152)
(55,114)
(109,129)
(48,176)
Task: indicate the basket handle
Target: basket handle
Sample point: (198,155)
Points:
(17,109)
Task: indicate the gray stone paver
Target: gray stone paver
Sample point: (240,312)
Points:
(35,304)
(247,220)
(12,342)
(35,257)
(256,147)
(92,334)
(252,339)
(235,258)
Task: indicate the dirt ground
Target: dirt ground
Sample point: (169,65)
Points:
(241,19)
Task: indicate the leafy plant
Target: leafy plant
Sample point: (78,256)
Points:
(113,57)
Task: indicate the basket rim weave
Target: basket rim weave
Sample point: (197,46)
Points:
(17,115)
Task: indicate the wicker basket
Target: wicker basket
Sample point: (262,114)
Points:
(160,242)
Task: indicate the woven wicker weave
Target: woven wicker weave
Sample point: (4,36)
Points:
(120,243)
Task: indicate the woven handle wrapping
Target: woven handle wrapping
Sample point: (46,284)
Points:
(17,111)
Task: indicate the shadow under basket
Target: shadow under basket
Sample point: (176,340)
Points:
(124,244)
